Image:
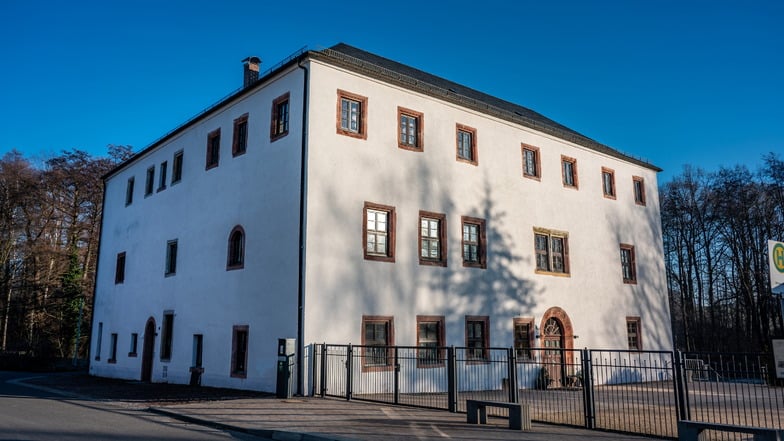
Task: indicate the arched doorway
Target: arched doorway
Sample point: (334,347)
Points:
(147,352)
(558,341)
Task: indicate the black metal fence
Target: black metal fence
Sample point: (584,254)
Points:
(643,392)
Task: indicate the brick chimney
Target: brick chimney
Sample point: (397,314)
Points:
(251,70)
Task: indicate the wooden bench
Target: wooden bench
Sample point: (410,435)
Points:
(519,415)
(690,431)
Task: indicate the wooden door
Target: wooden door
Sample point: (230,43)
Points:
(553,351)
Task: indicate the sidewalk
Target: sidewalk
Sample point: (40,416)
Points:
(306,419)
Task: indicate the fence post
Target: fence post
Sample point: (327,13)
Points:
(397,377)
(349,370)
(512,360)
(451,378)
(323,370)
(681,395)
(588,399)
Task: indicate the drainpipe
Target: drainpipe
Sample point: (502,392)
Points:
(302,229)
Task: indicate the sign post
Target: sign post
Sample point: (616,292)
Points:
(776,263)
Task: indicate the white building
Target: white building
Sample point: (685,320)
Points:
(343,197)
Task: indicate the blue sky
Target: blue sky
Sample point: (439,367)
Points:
(673,82)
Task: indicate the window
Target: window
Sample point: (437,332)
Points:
(198,350)
(432,238)
(167,335)
(119,269)
(98,341)
(569,171)
(134,345)
(477,338)
(531,166)
(379,232)
(352,115)
(552,251)
(148,185)
(639,190)
(466,145)
(239,143)
(162,177)
(411,127)
(628,264)
(236,255)
(633,333)
(279,127)
(378,334)
(112,349)
(213,149)
(129,191)
(608,183)
(474,242)
(239,351)
(171,257)
(177,167)
(523,335)
(430,341)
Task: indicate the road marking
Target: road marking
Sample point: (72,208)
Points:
(439,432)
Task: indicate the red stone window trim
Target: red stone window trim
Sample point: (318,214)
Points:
(474,242)
(608,183)
(477,339)
(628,264)
(634,333)
(639,190)
(569,172)
(532,166)
(376,230)
(410,129)
(431,341)
(551,251)
(430,240)
(378,339)
(524,335)
(352,114)
(239,141)
(465,145)
(213,149)
(239,351)
(279,124)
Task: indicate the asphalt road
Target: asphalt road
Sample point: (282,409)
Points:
(30,414)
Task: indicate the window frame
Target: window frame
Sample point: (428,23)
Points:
(485,348)
(171,258)
(362,101)
(177,164)
(537,175)
(239,141)
(162,176)
(149,183)
(390,233)
(638,336)
(440,353)
(235,259)
(419,119)
(441,260)
(213,149)
(638,183)
(481,261)
(573,176)
(629,274)
(112,348)
(611,194)
(167,336)
(523,353)
(550,234)
(129,190)
(279,118)
(119,268)
(132,351)
(474,159)
(389,322)
(98,342)
(237,355)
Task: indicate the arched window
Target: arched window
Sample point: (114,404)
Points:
(236,256)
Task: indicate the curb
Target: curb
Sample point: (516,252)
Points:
(279,435)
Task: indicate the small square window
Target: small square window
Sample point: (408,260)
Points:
(129,191)
(239,143)
(634,333)
(162,176)
(432,238)
(608,183)
(477,338)
(177,163)
(430,341)
(213,149)
(466,145)
(279,126)
(119,271)
(171,257)
(552,251)
(148,185)
(628,264)
(569,172)
(474,242)
(379,232)
(378,334)
(639,190)
(352,115)
(410,129)
(531,164)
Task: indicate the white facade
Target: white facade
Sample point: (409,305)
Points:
(336,286)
